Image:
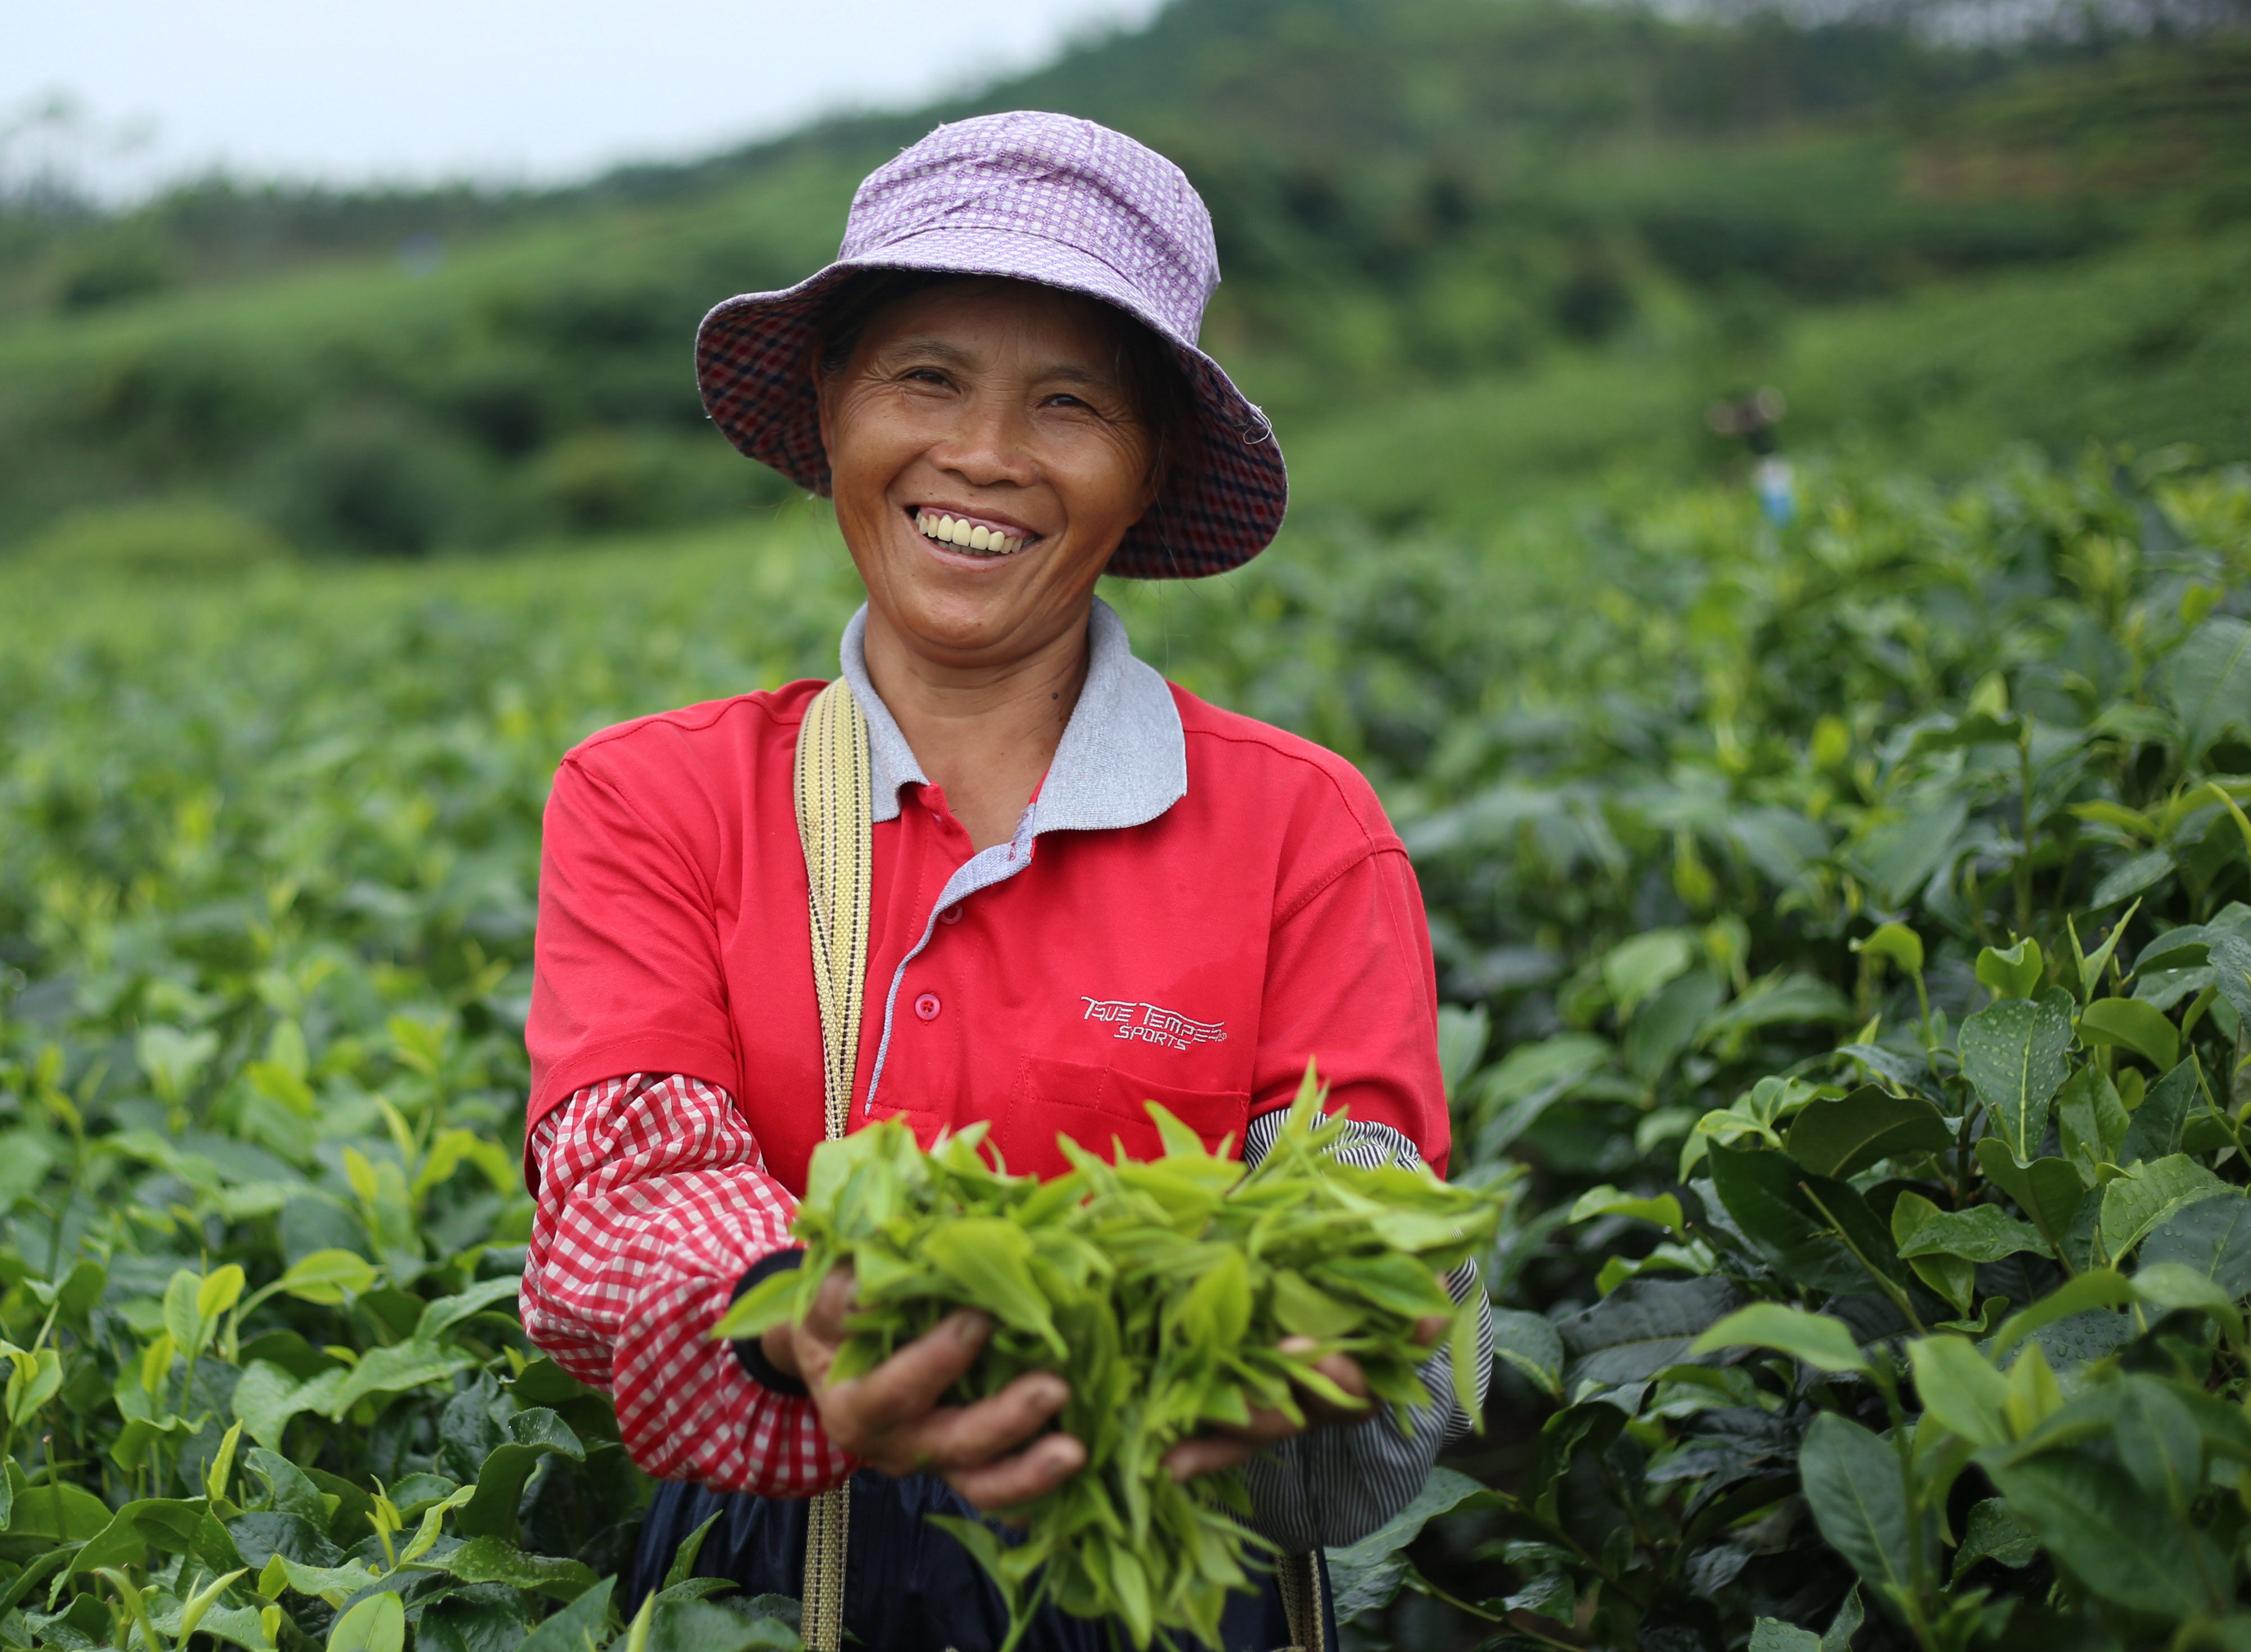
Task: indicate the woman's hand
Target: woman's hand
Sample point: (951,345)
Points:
(891,1419)
(1230,1447)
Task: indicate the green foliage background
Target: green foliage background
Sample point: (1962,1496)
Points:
(1844,924)
(1480,254)
(1679,787)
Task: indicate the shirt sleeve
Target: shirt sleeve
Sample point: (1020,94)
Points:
(1332,1486)
(627,975)
(654,1201)
(1351,988)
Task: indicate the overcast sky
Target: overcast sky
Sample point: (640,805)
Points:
(492,89)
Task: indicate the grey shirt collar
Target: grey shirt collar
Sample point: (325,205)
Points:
(1123,761)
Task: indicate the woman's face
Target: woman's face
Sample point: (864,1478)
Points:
(993,407)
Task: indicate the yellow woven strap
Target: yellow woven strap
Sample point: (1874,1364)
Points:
(827,1522)
(835,824)
(1300,1580)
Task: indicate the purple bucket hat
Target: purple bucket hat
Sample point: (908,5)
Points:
(1039,197)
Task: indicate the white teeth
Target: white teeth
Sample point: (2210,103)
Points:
(953,530)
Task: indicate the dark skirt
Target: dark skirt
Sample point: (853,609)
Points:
(908,1586)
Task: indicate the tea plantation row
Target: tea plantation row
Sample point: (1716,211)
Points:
(1850,933)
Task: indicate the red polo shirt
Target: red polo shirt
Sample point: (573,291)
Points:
(1195,906)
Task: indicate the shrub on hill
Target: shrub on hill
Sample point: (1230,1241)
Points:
(164,538)
(1553,231)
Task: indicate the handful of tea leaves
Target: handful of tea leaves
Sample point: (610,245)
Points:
(1160,1289)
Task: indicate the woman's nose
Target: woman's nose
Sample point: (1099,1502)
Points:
(987,444)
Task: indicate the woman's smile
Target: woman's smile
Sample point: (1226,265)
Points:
(986,459)
(979,535)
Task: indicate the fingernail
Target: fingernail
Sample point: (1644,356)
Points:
(969,1328)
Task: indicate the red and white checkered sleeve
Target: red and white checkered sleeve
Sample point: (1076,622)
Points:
(653,1200)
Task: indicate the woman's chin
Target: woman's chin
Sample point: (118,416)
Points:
(950,626)
(957,605)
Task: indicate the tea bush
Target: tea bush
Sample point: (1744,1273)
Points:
(1847,929)
(266,900)
(1167,1291)
(1878,1058)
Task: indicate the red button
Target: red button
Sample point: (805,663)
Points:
(952,915)
(926,1006)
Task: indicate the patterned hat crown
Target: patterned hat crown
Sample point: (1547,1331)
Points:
(1036,197)
(1070,182)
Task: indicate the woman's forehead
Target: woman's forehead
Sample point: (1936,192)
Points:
(976,320)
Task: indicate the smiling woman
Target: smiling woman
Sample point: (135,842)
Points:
(988,457)
(1006,381)
(1138,359)
(1091,890)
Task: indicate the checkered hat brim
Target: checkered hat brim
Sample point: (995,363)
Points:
(1036,197)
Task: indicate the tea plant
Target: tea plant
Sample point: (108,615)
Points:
(1165,1291)
(261,1079)
(1893,1325)
(1759,861)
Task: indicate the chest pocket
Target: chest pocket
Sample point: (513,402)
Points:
(1101,1109)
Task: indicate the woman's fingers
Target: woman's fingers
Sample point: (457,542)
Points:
(1342,1369)
(1221,1450)
(1208,1454)
(891,1416)
(1267,1427)
(971,1436)
(905,1388)
(1228,1448)
(814,1339)
(1033,1472)
(832,1305)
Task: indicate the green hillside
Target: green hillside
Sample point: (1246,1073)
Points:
(1479,252)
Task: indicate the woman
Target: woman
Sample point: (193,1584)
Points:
(1090,888)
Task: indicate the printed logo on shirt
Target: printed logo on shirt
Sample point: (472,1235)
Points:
(1150,1024)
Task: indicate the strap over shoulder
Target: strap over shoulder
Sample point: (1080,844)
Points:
(835,824)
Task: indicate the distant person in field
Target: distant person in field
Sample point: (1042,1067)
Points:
(1087,889)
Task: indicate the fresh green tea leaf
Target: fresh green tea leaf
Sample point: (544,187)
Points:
(1821,1342)
(1855,1485)
(1844,1135)
(2129,1024)
(2012,1054)
(1981,1233)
